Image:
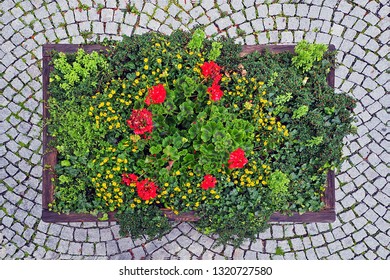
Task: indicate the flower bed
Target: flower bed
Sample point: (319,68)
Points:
(193,120)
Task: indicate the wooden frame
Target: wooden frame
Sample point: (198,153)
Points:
(326,215)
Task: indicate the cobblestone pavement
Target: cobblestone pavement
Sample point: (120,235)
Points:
(360,31)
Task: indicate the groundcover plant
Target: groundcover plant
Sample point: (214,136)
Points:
(184,123)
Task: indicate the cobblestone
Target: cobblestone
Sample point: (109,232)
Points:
(358,30)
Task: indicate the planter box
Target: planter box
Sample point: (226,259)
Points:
(326,215)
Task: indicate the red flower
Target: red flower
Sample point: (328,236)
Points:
(129,179)
(146,189)
(208,182)
(215,92)
(210,70)
(140,121)
(156,95)
(237,159)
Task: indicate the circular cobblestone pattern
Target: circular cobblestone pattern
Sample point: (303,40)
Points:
(360,31)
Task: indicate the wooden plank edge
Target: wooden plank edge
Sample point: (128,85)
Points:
(326,215)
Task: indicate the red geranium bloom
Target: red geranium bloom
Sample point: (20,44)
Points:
(156,95)
(140,121)
(210,69)
(237,159)
(146,189)
(129,179)
(215,92)
(209,181)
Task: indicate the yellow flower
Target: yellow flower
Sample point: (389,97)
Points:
(132,205)
(159,60)
(179,66)
(217,197)
(190,191)
(146,60)
(177,172)
(166,184)
(146,67)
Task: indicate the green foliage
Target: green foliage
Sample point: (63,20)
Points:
(278,116)
(131,8)
(278,182)
(329,117)
(215,51)
(307,54)
(300,112)
(279,251)
(196,41)
(143,222)
(76,75)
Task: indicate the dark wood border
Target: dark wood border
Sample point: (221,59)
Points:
(326,215)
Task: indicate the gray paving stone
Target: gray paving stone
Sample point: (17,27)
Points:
(63,246)
(87,249)
(311,255)
(55,229)
(122,256)
(196,249)
(207,255)
(39,253)
(67,233)
(383,252)
(228,251)
(125,244)
(184,254)
(52,242)
(359,248)
(173,247)
(335,247)
(160,254)
(112,247)
(74,248)
(238,254)
(322,252)
(369,255)
(105,234)
(184,241)
(100,249)
(107,15)
(257,246)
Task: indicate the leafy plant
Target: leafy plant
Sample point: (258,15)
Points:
(183,122)
(307,54)
(143,222)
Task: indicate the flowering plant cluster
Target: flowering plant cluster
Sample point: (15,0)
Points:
(174,125)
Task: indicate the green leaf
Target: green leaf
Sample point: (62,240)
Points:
(154,150)
(188,159)
(65,163)
(171,152)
